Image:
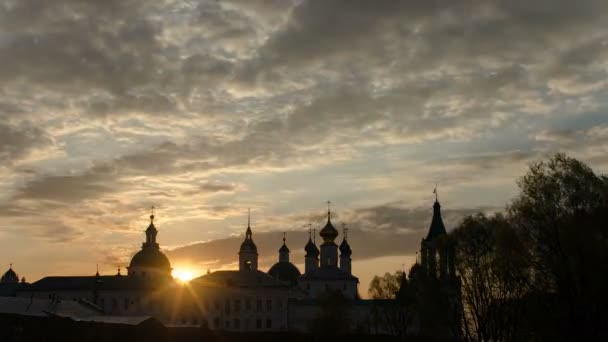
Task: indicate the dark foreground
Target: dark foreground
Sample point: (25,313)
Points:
(55,329)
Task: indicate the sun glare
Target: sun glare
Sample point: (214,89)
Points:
(182,275)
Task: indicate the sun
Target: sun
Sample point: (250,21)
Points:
(182,275)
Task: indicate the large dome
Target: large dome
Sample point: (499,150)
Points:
(285,271)
(10,276)
(150,258)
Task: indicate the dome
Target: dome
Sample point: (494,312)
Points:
(284,271)
(10,276)
(328,233)
(311,249)
(150,258)
(345,248)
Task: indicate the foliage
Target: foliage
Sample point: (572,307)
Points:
(385,287)
(494,273)
(562,213)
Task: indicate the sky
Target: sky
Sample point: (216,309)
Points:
(204,109)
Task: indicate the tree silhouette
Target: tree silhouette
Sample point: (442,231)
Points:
(562,213)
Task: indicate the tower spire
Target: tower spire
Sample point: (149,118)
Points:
(248,217)
(152,214)
(328,210)
(344,230)
(97,273)
(436,194)
(284,239)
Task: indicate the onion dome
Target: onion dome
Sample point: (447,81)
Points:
(9,276)
(345,248)
(329,232)
(284,271)
(437,227)
(311,248)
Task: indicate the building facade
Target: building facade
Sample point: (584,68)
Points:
(246,299)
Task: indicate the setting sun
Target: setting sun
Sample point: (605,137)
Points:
(182,275)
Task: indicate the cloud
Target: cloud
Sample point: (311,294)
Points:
(20,141)
(205,108)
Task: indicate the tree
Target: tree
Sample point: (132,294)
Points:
(393,305)
(385,287)
(562,213)
(493,267)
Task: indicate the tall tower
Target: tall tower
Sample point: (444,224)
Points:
(437,255)
(311,259)
(329,249)
(248,254)
(345,252)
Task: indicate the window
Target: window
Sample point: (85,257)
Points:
(237,323)
(247,304)
(344,286)
(101,303)
(217,305)
(227,306)
(126,304)
(248,264)
(227,324)
(308,286)
(268,305)
(114,304)
(268,323)
(237,305)
(216,322)
(258,323)
(258,305)
(279,304)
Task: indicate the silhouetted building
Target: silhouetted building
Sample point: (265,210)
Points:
(284,270)
(150,262)
(436,285)
(327,275)
(9,277)
(247,299)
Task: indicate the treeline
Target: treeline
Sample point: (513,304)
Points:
(539,269)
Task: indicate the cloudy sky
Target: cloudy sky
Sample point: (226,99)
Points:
(205,108)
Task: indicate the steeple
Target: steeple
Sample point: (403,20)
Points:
(248,232)
(151,233)
(437,227)
(248,254)
(284,251)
